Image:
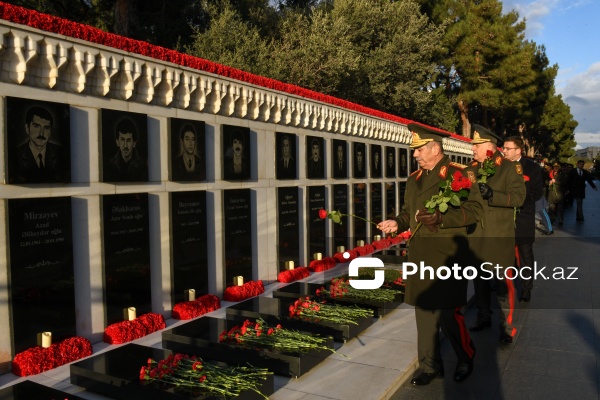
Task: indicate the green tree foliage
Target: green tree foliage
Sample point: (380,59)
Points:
(557,127)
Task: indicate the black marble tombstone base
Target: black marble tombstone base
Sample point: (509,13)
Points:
(201,337)
(115,374)
(296,289)
(28,390)
(276,311)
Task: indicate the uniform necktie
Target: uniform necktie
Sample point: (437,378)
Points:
(41,161)
(190,163)
(580,173)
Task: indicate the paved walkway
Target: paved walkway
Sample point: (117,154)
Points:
(556,351)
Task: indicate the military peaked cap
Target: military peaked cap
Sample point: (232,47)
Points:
(422,135)
(482,135)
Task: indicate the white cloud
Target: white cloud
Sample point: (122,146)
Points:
(533,12)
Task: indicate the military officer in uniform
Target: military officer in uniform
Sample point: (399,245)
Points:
(440,241)
(493,240)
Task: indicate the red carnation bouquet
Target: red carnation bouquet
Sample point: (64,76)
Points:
(322,265)
(487,169)
(39,359)
(292,275)
(126,331)
(247,290)
(192,309)
(364,250)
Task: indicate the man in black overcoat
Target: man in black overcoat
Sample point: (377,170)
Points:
(577,179)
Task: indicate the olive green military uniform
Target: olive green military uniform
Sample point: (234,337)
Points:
(493,240)
(556,195)
(437,302)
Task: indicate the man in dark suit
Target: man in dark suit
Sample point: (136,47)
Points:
(577,179)
(316,167)
(525,218)
(439,242)
(37,160)
(126,165)
(286,165)
(188,166)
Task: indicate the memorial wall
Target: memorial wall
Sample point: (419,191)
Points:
(128,179)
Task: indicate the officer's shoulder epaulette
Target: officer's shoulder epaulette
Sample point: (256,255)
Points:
(457,165)
(474,163)
(414,172)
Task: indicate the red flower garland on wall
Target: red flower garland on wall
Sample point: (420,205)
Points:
(365,250)
(381,244)
(61,26)
(247,290)
(292,275)
(126,331)
(339,257)
(322,265)
(192,309)
(39,359)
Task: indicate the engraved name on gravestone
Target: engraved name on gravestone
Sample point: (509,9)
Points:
(340,203)
(238,234)
(41,269)
(376,206)
(288,223)
(189,248)
(390,200)
(360,210)
(316,226)
(126,254)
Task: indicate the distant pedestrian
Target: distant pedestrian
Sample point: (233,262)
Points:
(577,179)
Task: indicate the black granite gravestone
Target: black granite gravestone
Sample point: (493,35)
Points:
(28,390)
(403,163)
(376,206)
(285,155)
(390,162)
(360,210)
(315,157)
(237,158)
(288,221)
(188,154)
(402,191)
(238,234)
(339,159)
(41,269)
(340,203)
(390,200)
(316,226)
(126,254)
(376,161)
(189,248)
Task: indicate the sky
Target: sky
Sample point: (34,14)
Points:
(566,29)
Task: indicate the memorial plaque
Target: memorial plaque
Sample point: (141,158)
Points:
(189,248)
(315,163)
(390,200)
(340,203)
(402,190)
(403,163)
(126,254)
(414,165)
(376,206)
(360,210)
(390,162)
(288,223)
(237,162)
(286,156)
(42,291)
(38,141)
(339,159)
(359,164)
(376,161)
(29,390)
(238,234)
(124,146)
(188,154)
(316,226)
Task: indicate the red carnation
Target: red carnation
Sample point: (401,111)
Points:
(322,213)
(526,178)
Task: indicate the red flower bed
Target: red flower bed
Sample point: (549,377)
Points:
(192,309)
(322,265)
(247,290)
(49,23)
(293,274)
(39,359)
(126,331)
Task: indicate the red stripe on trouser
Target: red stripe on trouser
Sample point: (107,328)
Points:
(511,297)
(465,339)
(517,257)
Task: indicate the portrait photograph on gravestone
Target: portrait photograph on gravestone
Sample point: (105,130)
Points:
(286,156)
(38,139)
(339,159)
(237,163)
(315,162)
(41,274)
(376,161)
(401,191)
(317,241)
(360,210)
(403,163)
(124,146)
(376,200)
(188,244)
(359,165)
(414,165)
(288,223)
(237,216)
(390,162)
(126,254)
(390,200)
(340,203)
(188,150)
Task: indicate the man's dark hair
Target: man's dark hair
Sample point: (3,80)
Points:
(187,128)
(125,126)
(237,134)
(359,148)
(517,140)
(578,161)
(40,112)
(316,142)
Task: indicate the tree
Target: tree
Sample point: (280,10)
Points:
(557,127)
